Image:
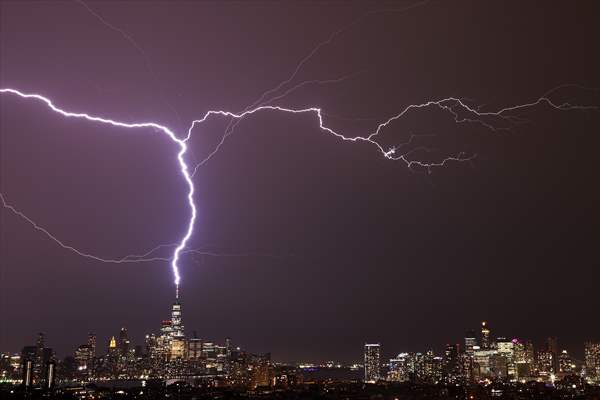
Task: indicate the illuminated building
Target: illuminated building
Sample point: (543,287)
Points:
(592,360)
(482,363)
(112,345)
(505,348)
(83,357)
(261,371)
(565,363)
(28,373)
(28,360)
(552,347)
(173,336)
(92,343)
(432,368)
(470,342)
(123,342)
(523,358)
(50,375)
(485,336)
(176,321)
(499,366)
(34,361)
(194,352)
(452,364)
(401,368)
(38,367)
(545,363)
(372,354)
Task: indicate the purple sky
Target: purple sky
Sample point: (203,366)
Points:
(365,249)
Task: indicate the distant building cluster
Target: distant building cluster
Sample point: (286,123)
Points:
(483,358)
(166,355)
(482,364)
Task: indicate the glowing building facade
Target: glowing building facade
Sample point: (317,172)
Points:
(372,356)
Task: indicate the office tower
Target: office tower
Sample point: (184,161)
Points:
(592,360)
(83,357)
(112,346)
(545,363)
(565,363)
(28,373)
(38,366)
(470,342)
(261,371)
(483,363)
(92,344)
(452,364)
(194,351)
(372,355)
(177,345)
(485,336)
(176,320)
(50,375)
(401,368)
(433,365)
(522,359)
(29,355)
(506,349)
(123,342)
(552,347)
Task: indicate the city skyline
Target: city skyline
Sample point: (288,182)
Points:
(303,236)
(170,354)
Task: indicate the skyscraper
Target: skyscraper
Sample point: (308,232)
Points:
(177,342)
(452,365)
(401,368)
(92,344)
(372,362)
(38,368)
(176,320)
(124,342)
(552,347)
(485,336)
(470,342)
(592,360)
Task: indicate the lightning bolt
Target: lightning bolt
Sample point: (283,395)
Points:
(455,107)
(157,127)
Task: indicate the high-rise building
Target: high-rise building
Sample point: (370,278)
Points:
(523,357)
(29,355)
(506,349)
(261,371)
(38,368)
(83,357)
(176,320)
(552,347)
(452,364)
(92,343)
(50,375)
(482,363)
(28,373)
(565,363)
(123,342)
(401,368)
(194,352)
(112,346)
(372,355)
(433,366)
(592,360)
(545,363)
(470,342)
(177,345)
(485,336)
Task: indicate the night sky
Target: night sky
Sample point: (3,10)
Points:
(339,246)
